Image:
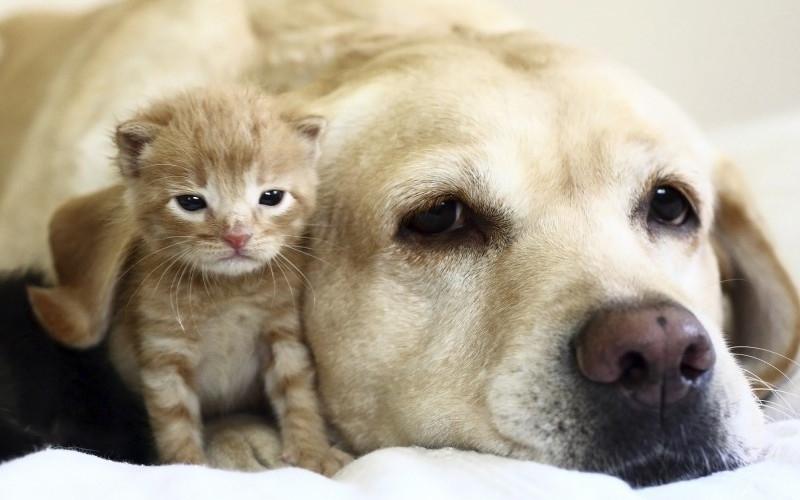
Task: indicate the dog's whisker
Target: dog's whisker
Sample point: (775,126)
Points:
(739,354)
(787,413)
(770,351)
(767,387)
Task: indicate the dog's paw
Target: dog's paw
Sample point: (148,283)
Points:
(325,460)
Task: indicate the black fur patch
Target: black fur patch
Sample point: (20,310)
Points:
(54,396)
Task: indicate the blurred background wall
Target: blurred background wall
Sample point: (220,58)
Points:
(725,61)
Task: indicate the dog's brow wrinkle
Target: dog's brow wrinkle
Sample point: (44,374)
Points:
(457,178)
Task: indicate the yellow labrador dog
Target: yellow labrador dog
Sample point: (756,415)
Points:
(521,248)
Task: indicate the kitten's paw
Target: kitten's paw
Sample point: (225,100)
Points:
(323,460)
(188,456)
(243,443)
(337,459)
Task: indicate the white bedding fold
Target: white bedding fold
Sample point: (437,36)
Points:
(395,473)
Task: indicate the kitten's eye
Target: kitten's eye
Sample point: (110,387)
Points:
(668,206)
(191,202)
(271,198)
(443,217)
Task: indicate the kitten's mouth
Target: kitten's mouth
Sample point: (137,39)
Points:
(234,264)
(235,257)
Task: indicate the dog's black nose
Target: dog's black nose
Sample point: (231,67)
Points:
(654,355)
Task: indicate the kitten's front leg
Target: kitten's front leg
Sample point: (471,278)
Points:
(290,387)
(168,367)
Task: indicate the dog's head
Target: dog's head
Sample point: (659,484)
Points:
(526,251)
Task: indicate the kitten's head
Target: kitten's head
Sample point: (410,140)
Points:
(219,178)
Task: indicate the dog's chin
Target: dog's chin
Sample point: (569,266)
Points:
(649,464)
(661,466)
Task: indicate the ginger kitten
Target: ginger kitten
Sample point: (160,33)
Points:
(217,188)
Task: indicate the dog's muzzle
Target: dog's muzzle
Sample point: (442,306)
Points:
(645,373)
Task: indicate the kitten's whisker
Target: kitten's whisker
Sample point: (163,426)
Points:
(304,247)
(285,277)
(263,273)
(272,276)
(299,272)
(173,305)
(151,254)
(174,261)
(317,238)
(297,249)
(181,273)
(169,294)
(192,270)
(205,284)
(143,280)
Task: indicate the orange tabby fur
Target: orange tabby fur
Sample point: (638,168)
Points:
(199,329)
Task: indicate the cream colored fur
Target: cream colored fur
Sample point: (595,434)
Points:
(413,346)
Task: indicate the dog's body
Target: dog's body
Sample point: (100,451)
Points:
(480,335)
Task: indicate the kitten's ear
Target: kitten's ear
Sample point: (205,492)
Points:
(90,238)
(131,137)
(764,304)
(311,128)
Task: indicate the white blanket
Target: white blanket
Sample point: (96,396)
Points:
(394,473)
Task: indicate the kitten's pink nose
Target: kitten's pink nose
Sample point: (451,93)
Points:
(237,240)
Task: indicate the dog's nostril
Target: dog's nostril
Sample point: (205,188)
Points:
(697,359)
(689,373)
(633,368)
(655,355)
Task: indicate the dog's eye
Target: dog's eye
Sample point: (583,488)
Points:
(669,206)
(191,202)
(448,223)
(445,216)
(271,198)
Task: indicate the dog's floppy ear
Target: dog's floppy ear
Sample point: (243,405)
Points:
(764,308)
(90,238)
